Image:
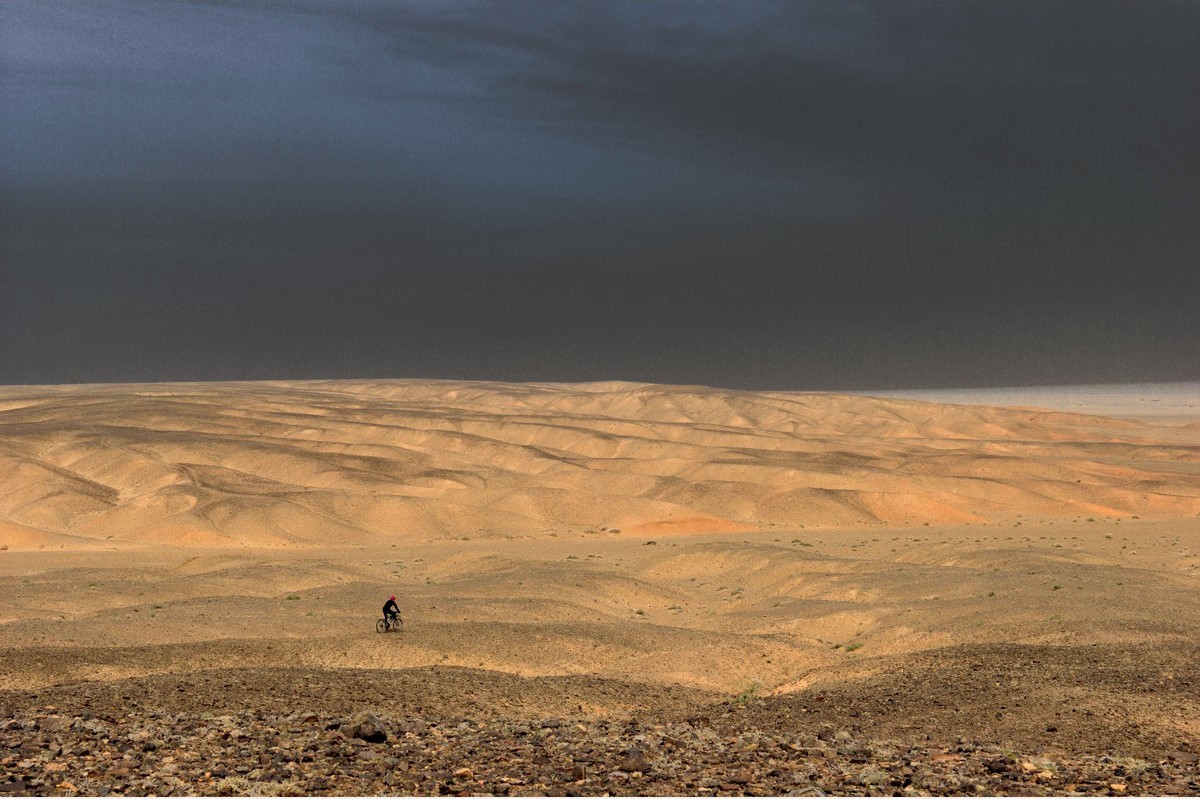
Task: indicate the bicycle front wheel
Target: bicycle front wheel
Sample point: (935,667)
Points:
(398,624)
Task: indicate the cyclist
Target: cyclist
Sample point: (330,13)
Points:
(391,610)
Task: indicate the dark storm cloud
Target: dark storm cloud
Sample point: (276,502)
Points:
(796,195)
(902,95)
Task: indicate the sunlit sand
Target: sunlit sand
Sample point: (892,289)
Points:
(705,540)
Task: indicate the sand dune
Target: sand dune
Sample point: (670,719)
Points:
(307,463)
(911,571)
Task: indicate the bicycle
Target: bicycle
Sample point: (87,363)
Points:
(395,625)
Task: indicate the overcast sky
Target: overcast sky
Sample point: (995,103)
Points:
(798,195)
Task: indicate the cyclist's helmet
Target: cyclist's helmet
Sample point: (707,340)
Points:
(393,596)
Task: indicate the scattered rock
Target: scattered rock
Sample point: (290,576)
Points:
(1000,765)
(635,760)
(262,750)
(54,724)
(741,777)
(873,776)
(366,727)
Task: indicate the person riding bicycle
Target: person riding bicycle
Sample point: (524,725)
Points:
(391,610)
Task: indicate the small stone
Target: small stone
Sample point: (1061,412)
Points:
(366,727)
(1117,787)
(873,776)
(999,765)
(54,724)
(634,761)
(463,774)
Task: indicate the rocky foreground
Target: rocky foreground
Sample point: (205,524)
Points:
(155,737)
(305,753)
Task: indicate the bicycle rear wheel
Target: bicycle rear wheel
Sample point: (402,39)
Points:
(381,626)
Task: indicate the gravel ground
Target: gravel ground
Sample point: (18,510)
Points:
(448,731)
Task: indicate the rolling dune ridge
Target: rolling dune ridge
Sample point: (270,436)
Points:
(274,464)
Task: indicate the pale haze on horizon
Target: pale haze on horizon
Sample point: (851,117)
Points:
(799,196)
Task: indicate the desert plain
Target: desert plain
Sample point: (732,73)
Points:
(606,588)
